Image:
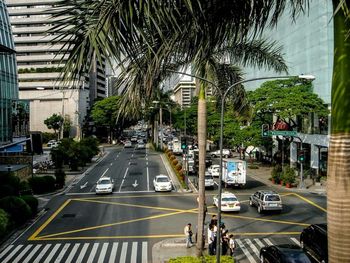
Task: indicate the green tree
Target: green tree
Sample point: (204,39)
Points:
(67,125)
(287,99)
(4,222)
(54,122)
(105,113)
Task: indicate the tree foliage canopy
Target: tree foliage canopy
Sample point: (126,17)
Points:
(105,112)
(54,122)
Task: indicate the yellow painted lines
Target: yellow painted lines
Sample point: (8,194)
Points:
(264,233)
(35,234)
(169,212)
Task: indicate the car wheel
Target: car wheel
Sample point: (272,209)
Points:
(259,209)
(250,202)
(262,260)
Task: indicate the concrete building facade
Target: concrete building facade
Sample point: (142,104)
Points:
(39,65)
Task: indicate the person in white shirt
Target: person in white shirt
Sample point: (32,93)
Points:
(211,238)
(232,244)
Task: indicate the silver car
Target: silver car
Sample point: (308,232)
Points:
(209,180)
(266,200)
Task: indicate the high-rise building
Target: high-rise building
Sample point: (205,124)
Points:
(308,47)
(39,64)
(8,76)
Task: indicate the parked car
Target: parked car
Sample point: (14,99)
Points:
(104,185)
(127,144)
(266,200)
(52,143)
(133,139)
(209,180)
(229,202)
(141,145)
(162,183)
(286,253)
(225,153)
(313,240)
(214,169)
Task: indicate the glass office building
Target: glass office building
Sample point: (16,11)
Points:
(8,76)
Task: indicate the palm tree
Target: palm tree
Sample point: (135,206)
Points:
(163,32)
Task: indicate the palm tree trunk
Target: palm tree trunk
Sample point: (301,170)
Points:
(202,139)
(338,182)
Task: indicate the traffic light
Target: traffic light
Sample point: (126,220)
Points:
(183,143)
(301,156)
(265,130)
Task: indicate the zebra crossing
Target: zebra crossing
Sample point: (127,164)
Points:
(98,252)
(248,250)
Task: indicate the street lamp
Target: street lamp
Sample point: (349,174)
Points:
(223,97)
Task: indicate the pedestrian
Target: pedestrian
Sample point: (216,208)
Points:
(232,244)
(213,220)
(224,242)
(188,234)
(211,245)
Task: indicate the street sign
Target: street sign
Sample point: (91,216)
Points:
(282,133)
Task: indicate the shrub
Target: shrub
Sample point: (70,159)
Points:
(4,222)
(276,173)
(40,185)
(288,175)
(60,178)
(32,202)
(169,154)
(47,136)
(17,208)
(178,167)
(10,184)
(253,166)
(175,162)
(207,259)
(7,190)
(172,157)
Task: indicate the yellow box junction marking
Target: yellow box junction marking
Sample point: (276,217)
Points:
(174,211)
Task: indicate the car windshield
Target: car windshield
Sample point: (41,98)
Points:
(208,177)
(229,199)
(162,180)
(105,181)
(298,257)
(272,198)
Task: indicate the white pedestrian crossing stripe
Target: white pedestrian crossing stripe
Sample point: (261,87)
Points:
(101,252)
(248,250)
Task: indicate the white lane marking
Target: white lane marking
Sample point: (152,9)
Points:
(82,253)
(113,255)
(147,178)
(268,241)
(42,253)
(53,252)
(12,254)
(256,251)
(84,185)
(63,251)
(146,158)
(123,192)
(3,253)
(123,253)
(32,253)
(103,252)
(144,252)
(296,241)
(111,164)
(18,258)
(133,252)
(121,185)
(245,251)
(260,244)
(104,173)
(92,254)
(72,253)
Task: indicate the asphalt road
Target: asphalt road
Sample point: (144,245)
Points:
(122,227)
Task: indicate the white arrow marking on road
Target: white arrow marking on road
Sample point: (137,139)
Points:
(84,185)
(135,184)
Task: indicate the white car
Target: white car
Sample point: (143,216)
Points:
(141,145)
(127,144)
(214,170)
(225,153)
(209,180)
(229,202)
(162,183)
(104,185)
